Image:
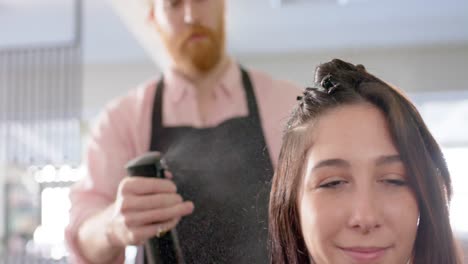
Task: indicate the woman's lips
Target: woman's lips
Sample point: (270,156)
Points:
(365,253)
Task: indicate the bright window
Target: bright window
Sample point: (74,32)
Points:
(457,159)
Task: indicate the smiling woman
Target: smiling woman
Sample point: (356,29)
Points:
(357,170)
(360,179)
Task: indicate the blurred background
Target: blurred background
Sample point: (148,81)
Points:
(61,61)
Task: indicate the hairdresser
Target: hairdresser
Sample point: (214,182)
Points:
(218,126)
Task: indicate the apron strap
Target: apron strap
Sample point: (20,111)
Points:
(156,120)
(250,96)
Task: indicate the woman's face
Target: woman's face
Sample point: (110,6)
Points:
(355,204)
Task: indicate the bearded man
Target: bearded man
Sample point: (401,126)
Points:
(218,126)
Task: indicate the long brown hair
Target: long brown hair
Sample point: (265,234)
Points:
(340,83)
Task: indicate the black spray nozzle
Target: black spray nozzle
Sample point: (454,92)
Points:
(150,164)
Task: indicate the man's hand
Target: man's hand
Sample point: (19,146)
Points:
(145,207)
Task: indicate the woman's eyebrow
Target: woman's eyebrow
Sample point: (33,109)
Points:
(388,159)
(332,163)
(382,160)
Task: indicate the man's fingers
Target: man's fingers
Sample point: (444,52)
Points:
(139,235)
(142,186)
(149,202)
(158,215)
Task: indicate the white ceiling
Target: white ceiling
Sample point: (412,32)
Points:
(254,26)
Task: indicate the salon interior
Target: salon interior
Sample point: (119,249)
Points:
(62,61)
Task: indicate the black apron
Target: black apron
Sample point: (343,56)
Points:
(226,171)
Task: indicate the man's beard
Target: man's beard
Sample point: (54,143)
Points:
(196,56)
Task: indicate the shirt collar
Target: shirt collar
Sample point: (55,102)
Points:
(181,87)
(177,85)
(230,80)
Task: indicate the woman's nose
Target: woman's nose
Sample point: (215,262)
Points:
(365,211)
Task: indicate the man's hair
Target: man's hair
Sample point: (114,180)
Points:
(339,83)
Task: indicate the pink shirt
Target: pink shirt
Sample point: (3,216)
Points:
(123,131)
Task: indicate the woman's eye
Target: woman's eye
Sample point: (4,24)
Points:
(396,182)
(332,184)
